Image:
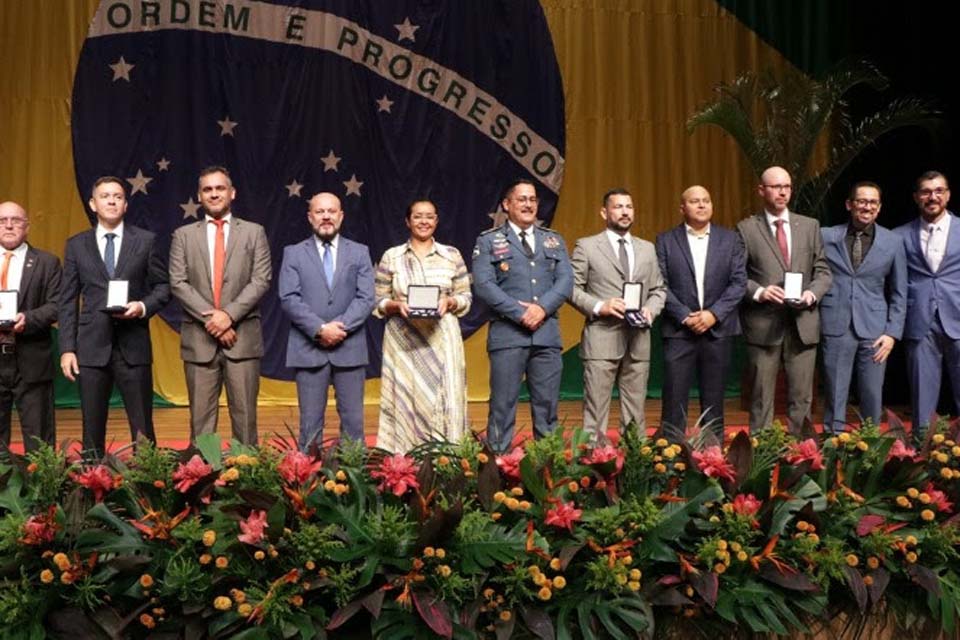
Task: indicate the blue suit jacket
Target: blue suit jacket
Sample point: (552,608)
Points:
(925,286)
(724,280)
(503,276)
(872,300)
(308,302)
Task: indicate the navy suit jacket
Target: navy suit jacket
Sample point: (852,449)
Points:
(926,287)
(309,302)
(724,280)
(84,327)
(39,288)
(871,300)
(503,276)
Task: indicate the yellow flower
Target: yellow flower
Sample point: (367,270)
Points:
(46,576)
(573,487)
(512,503)
(499,496)
(802,525)
(942,458)
(913,492)
(444,571)
(539,579)
(645,451)
(544,593)
(209,537)
(483,458)
(719,568)
(627,560)
(533,570)
(661,442)
(340,475)
(873,562)
(496,516)
(946,473)
(62,562)
(559,582)
(273,552)
(927,515)
(633,585)
(910,540)
(844,437)
(341,489)
(230,475)
(938,438)
(911,557)
(813,538)
(621,579)
(259,555)
(660,467)
(66,577)
(517,491)
(238,596)
(488,593)
(862,445)
(735,546)
(867,581)
(443,461)
(852,560)
(310,565)
(924,498)
(296,600)
(955,450)
(441,553)
(146,581)
(722,545)
(222,562)
(245,609)
(428,552)
(147,620)
(330,485)
(903,502)
(222,603)
(714,519)
(635,574)
(206,558)
(679,466)
(505,616)
(524,505)
(669,453)
(742,556)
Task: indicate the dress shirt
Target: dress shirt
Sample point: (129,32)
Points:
(933,239)
(772,226)
(15,270)
(334,244)
(614,239)
(212,239)
(866,240)
(698,249)
(102,241)
(531,238)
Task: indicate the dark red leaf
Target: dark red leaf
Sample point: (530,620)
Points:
(925,578)
(434,612)
(857,587)
(881,578)
(793,580)
(868,523)
(669,580)
(343,614)
(374,602)
(740,455)
(488,480)
(538,622)
(504,629)
(670,598)
(566,554)
(707,584)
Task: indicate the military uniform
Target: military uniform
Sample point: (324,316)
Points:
(503,276)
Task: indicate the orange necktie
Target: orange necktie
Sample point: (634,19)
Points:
(5,270)
(219,252)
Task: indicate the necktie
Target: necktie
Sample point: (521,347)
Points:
(931,252)
(328,263)
(109,255)
(782,242)
(624,259)
(856,256)
(5,269)
(527,249)
(219,254)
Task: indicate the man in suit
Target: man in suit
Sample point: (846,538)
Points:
(524,279)
(863,312)
(704,269)
(932,330)
(219,270)
(101,347)
(326,287)
(26,364)
(781,331)
(612,350)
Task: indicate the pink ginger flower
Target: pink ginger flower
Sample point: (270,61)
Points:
(606,460)
(97,479)
(712,464)
(938,498)
(397,473)
(746,505)
(563,515)
(901,451)
(191,473)
(806,451)
(296,467)
(253,527)
(41,529)
(509,463)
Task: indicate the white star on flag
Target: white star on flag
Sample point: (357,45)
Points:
(353,186)
(330,162)
(293,189)
(121,69)
(190,208)
(163,164)
(384,104)
(139,183)
(226,126)
(405,30)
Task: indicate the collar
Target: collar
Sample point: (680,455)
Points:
(940,223)
(517,229)
(334,242)
(228,218)
(772,219)
(615,237)
(692,232)
(18,252)
(867,230)
(102,232)
(435,247)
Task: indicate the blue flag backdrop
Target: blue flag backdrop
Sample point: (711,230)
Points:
(377,102)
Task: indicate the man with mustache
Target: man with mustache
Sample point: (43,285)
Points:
(612,349)
(219,270)
(522,272)
(932,330)
(326,287)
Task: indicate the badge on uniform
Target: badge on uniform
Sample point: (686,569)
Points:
(551,242)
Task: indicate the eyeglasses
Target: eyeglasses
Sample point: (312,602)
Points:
(13,222)
(424,218)
(525,199)
(779,187)
(926,193)
(863,202)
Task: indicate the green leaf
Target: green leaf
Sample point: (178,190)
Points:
(660,541)
(532,480)
(771,618)
(211,448)
(753,620)
(119,537)
(10,496)
(497,546)
(805,491)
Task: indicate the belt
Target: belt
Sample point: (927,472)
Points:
(8,348)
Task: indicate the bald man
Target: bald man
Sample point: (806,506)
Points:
(781,323)
(26,363)
(703,267)
(326,288)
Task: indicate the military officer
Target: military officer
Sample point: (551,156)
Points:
(522,272)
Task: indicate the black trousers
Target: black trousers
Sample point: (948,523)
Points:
(709,359)
(33,400)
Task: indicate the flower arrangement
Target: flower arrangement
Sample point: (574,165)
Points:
(560,538)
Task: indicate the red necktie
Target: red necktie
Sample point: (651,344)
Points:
(219,251)
(782,241)
(5,270)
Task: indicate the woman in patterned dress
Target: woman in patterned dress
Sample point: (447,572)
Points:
(422,383)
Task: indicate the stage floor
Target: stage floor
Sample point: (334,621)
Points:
(173,424)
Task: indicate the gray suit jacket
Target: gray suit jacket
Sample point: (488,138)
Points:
(598,276)
(246,277)
(765,324)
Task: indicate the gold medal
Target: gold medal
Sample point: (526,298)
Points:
(504,266)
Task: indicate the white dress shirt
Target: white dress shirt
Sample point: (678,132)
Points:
(212,239)
(102,241)
(15,270)
(614,239)
(698,249)
(531,238)
(334,246)
(933,240)
(772,226)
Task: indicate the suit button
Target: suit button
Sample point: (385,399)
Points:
(532,263)
(533,281)
(535,298)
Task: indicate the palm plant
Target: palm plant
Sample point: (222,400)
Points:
(779,120)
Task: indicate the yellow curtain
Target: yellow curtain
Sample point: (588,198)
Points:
(633,70)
